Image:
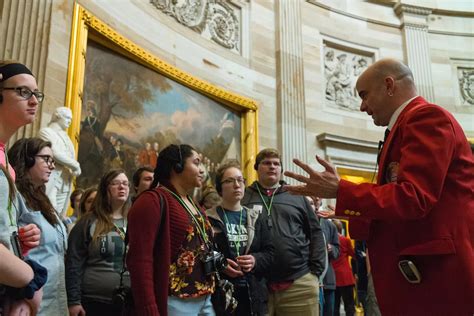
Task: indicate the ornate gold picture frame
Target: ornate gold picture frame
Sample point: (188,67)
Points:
(87,28)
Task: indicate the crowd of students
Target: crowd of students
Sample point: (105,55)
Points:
(268,243)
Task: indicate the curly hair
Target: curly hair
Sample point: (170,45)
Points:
(35,196)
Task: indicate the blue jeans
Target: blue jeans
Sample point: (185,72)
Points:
(201,306)
(326,301)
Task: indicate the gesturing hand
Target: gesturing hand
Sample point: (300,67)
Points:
(327,213)
(322,184)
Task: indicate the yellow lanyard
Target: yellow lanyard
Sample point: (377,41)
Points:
(119,231)
(202,230)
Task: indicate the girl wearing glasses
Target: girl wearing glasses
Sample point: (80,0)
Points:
(15,111)
(32,159)
(244,239)
(95,250)
(169,238)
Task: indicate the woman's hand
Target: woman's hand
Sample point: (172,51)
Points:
(29,236)
(233,270)
(35,302)
(21,308)
(246,262)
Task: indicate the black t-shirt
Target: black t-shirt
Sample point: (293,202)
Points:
(235,229)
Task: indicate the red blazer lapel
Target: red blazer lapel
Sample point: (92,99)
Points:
(414,104)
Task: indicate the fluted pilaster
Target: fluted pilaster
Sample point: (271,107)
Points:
(25,27)
(290,82)
(417,52)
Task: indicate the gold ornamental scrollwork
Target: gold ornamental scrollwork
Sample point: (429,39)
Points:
(86,27)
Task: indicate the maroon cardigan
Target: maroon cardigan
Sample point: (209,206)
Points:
(149,256)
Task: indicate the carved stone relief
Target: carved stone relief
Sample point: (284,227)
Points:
(219,21)
(466,85)
(341,70)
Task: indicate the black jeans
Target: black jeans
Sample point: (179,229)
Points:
(347,294)
(242,295)
(94,308)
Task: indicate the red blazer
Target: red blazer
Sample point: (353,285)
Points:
(344,276)
(421,209)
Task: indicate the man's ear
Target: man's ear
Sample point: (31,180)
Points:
(390,85)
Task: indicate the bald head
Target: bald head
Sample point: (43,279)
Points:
(383,87)
(392,68)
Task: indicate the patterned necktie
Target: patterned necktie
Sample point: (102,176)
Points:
(381,143)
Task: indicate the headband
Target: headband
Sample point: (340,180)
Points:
(11,70)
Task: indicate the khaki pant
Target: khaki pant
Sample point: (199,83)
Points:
(301,299)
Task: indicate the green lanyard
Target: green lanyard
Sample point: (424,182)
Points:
(268,207)
(10,203)
(202,230)
(237,242)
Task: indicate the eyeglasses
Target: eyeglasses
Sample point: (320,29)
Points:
(116,183)
(26,93)
(48,159)
(234,180)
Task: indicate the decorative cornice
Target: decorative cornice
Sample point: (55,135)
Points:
(326,138)
(349,152)
(451,33)
(341,12)
(418,26)
(400,26)
(401,8)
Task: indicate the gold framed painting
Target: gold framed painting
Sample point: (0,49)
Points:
(128,103)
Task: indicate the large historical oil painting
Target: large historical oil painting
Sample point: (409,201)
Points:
(130,112)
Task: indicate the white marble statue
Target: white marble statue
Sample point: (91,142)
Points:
(59,186)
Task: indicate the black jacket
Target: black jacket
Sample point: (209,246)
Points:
(259,245)
(296,234)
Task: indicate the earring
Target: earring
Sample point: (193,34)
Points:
(390,94)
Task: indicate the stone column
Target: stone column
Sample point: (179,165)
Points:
(290,83)
(25,26)
(417,52)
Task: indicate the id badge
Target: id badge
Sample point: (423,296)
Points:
(269,222)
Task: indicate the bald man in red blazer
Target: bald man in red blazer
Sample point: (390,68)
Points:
(422,207)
